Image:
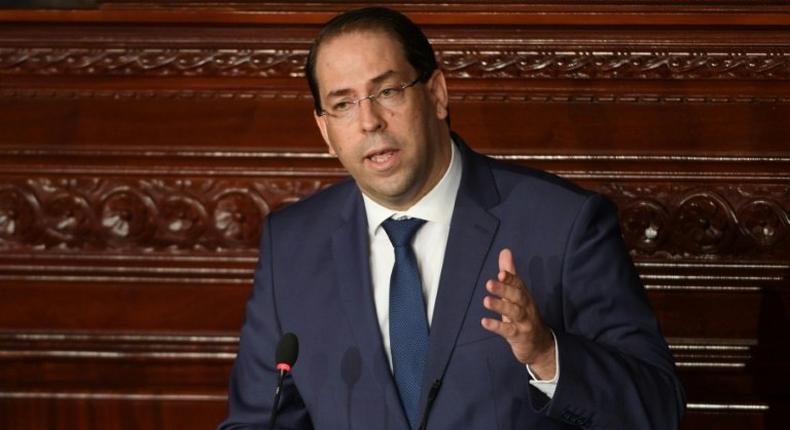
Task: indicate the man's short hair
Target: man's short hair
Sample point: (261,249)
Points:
(416,48)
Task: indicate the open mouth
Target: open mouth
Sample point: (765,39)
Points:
(381,157)
(384,159)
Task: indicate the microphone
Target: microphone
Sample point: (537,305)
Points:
(284,358)
(287,352)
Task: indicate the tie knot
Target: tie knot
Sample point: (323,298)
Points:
(401,231)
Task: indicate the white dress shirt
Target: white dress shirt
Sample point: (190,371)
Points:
(429,245)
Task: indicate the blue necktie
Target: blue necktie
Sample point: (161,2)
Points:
(408,323)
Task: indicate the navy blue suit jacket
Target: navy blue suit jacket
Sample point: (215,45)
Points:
(313,279)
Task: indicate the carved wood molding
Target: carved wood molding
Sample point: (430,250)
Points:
(763,167)
(521,61)
(140,215)
(729,221)
(159,94)
(431,12)
(458,96)
(597,63)
(257,63)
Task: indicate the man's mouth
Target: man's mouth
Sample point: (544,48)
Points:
(383,159)
(381,156)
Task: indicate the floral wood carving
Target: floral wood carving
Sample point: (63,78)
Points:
(721,221)
(583,64)
(259,63)
(530,63)
(458,96)
(144,215)
(159,215)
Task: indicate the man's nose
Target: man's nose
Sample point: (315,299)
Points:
(369,115)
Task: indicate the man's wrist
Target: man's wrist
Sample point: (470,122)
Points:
(544,368)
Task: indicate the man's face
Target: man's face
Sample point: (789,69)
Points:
(396,154)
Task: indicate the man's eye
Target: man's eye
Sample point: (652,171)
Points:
(341,106)
(388,92)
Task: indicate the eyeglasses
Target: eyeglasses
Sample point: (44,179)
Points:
(388,97)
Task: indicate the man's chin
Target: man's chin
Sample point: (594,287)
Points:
(390,197)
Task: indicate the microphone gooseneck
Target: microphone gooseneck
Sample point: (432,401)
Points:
(284,359)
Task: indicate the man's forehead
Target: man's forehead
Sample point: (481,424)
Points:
(359,57)
(349,38)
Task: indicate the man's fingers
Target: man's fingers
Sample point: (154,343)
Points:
(506,262)
(507,277)
(507,291)
(519,321)
(506,330)
(508,310)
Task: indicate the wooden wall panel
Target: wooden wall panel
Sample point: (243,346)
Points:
(143,142)
(122,412)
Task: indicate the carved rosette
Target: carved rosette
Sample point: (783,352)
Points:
(645,224)
(68,218)
(704,223)
(764,221)
(19,215)
(183,222)
(141,215)
(238,215)
(128,217)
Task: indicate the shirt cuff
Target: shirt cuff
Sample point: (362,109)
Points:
(547,386)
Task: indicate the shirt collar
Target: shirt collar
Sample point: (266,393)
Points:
(432,207)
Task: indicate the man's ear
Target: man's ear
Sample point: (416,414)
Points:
(438,90)
(320,121)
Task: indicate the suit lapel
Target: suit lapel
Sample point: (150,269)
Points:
(472,231)
(350,254)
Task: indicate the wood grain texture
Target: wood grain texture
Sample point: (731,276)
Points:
(143,142)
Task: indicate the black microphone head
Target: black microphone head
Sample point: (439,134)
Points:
(287,352)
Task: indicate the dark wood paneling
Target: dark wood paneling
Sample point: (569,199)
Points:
(142,143)
(125,412)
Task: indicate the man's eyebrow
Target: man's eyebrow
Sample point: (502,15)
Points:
(376,80)
(383,77)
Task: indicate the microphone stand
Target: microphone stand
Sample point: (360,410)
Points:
(285,357)
(273,416)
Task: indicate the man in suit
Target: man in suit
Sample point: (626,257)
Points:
(528,314)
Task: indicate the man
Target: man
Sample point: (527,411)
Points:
(528,313)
